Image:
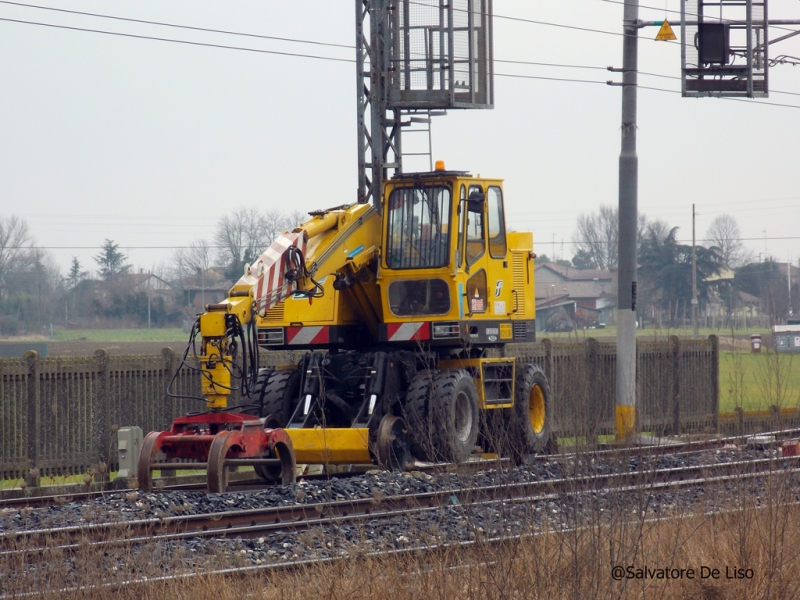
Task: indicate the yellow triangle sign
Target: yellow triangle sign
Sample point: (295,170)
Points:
(665,34)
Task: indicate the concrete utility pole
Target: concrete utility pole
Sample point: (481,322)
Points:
(789,282)
(628,201)
(694,278)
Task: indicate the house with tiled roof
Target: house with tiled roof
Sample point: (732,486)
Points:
(586,296)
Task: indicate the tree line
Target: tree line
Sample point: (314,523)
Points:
(725,266)
(35,293)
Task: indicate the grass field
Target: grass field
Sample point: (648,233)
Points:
(610,331)
(758,381)
(119,335)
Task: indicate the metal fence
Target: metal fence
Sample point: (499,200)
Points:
(58,415)
(677,384)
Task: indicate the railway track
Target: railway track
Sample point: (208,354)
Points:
(256,523)
(607,451)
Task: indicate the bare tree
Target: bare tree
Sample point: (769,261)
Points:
(724,233)
(597,236)
(296,218)
(29,277)
(16,250)
(276,223)
(186,262)
(242,236)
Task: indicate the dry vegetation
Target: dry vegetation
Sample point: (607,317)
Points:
(753,546)
(751,551)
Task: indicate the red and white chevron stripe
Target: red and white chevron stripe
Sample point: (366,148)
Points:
(302,336)
(399,332)
(269,270)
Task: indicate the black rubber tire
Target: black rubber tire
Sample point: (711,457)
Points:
(277,395)
(454,406)
(524,437)
(252,404)
(415,413)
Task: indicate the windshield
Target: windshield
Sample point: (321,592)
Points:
(417,233)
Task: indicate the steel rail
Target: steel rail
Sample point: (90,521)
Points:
(256,522)
(678,449)
(305,563)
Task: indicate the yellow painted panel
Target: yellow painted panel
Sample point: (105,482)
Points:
(626,420)
(330,446)
(212,324)
(219,375)
(298,309)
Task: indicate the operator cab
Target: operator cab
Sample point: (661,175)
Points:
(447,257)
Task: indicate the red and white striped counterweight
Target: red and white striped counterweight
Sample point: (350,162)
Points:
(271,268)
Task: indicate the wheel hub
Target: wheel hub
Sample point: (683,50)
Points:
(537,409)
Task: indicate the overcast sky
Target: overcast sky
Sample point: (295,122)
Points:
(149,143)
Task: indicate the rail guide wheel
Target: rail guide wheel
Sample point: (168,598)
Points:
(144,466)
(216,442)
(393,445)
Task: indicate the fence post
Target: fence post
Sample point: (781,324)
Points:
(714,341)
(676,354)
(739,420)
(776,417)
(548,361)
(33,476)
(168,354)
(101,417)
(593,399)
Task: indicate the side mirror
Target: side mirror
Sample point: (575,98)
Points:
(476,201)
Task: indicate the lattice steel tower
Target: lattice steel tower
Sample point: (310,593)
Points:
(415,56)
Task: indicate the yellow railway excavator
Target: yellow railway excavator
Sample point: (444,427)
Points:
(394,308)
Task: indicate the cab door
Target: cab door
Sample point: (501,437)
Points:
(489,287)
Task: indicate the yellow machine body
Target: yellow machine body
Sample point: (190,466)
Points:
(419,286)
(479,289)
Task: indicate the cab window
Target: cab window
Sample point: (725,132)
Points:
(476,243)
(417,232)
(497,223)
(462,206)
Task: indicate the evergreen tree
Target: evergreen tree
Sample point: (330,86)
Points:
(665,266)
(76,273)
(111,261)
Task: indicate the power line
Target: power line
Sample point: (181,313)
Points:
(642,87)
(747,239)
(177,26)
(345,60)
(284,39)
(688,13)
(174,41)
(213,247)
(567,79)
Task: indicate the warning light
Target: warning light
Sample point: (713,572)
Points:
(440,165)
